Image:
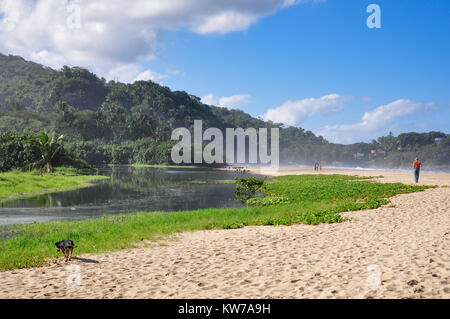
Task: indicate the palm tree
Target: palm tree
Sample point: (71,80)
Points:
(49,148)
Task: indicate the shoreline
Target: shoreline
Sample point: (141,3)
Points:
(77,181)
(408,240)
(357,168)
(426,178)
(292,200)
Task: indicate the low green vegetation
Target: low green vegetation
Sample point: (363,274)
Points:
(18,184)
(267,201)
(24,158)
(69,170)
(309,199)
(247,188)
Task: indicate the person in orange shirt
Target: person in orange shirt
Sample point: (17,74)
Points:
(416,165)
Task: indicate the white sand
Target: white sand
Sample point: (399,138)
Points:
(388,176)
(401,244)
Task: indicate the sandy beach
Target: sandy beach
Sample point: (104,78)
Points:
(387,176)
(401,250)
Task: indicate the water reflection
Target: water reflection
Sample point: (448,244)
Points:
(129,189)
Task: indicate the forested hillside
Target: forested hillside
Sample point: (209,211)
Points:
(112,122)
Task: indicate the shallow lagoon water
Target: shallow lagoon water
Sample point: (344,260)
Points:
(129,189)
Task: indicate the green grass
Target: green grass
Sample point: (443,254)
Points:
(18,184)
(309,199)
(68,170)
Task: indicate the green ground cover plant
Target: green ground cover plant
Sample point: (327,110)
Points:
(19,184)
(309,199)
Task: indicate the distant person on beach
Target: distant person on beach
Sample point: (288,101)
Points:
(416,165)
(316,165)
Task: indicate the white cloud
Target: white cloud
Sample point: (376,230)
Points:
(210,99)
(150,75)
(124,72)
(225,22)
(237,101)
(294,112)
(116,33)
(373,123)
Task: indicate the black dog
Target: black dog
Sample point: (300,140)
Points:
(67,247)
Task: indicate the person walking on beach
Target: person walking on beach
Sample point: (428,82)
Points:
(316,165)
(416,166)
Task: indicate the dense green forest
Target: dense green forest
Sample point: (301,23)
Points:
(112,122)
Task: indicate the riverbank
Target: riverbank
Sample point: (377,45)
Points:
(405,242)
(307,199)
(388,252)
(383,176)
(18,184)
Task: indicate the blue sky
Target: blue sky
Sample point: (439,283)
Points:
(314,64)
(313,50)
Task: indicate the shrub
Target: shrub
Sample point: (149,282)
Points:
(22,150)
(246,188)
(17,150)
